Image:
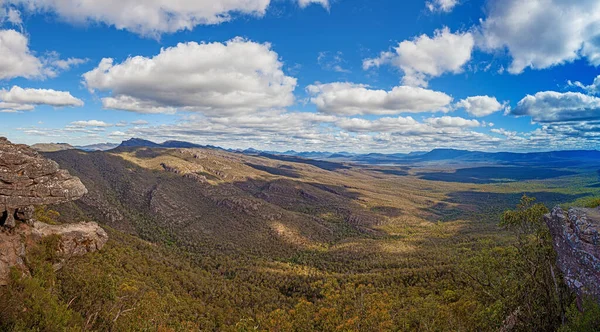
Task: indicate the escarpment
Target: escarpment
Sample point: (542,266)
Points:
(27,180)
(577,244)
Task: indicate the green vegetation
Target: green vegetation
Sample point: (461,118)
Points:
(257,250)
(133,284)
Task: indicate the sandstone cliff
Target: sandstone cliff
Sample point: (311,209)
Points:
(27,179)
(577,243)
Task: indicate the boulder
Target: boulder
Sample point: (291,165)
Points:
(28,179)
(75,240)
(577,244)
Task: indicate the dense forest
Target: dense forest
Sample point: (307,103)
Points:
(213,241)
(136,285)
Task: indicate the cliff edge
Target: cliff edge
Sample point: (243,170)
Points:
(26,180)
(577,243)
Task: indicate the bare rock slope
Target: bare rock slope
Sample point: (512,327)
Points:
(577,243)
(27,179)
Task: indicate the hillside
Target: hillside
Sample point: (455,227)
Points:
(206,239)
(435,156)
(269,240)
(52,147)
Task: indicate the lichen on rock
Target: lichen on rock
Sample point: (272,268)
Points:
(576,239)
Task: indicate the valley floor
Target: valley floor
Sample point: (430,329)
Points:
(215,241)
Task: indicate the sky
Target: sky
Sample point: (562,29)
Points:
(306,75)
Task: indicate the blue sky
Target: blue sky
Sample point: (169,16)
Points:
(344,75)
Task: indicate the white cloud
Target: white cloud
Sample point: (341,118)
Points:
(66,64)
(480,106)
(19,99)
(332,62)
(380,125)
(445,6)
(218,79)
(16,60)
(353,99)
(153,17)
(91,123)
(452,121)
(12,16)
(118,134)
(424,58)
(406,125)
(551,106)
(543,33)
(593,88)
(305,3)
(504,132)
(310,131)
(139,122)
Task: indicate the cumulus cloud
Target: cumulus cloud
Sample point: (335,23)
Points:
(154,17)
(353,99)
(445,6)
(406,125)
(593,88)
(424,57)
(452,121)
(543,33)
(53,61)
(19,99)
(218,79)
(91,123)
(480,106)
(16,60)
(551,106)
(504,132)
(303,131)
(379,125)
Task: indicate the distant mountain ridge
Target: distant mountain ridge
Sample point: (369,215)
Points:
(138,143)
(97,147)
(436,155)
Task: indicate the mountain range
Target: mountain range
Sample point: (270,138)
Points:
(551,158)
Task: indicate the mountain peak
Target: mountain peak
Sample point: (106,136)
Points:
(138,142)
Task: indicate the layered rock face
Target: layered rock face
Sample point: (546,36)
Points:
(75,240)
(577,243)
(28,179)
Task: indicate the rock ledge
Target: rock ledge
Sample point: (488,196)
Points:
(75,240)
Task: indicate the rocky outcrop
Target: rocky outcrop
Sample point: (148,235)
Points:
(74,240)
(577,243)
(28,179)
